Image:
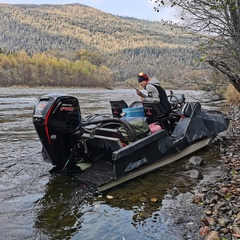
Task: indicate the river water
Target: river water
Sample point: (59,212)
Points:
(38,205)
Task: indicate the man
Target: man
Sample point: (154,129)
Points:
(155,93)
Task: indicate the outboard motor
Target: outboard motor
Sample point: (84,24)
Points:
(56,117)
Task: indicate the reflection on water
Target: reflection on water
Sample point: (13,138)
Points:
(61,208)
(36,205)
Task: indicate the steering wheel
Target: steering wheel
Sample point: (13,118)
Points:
(173,101)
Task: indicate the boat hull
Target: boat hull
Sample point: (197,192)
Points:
(155,165)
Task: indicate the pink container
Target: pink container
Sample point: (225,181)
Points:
(154,127)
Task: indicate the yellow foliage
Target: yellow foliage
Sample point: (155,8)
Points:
(232,95)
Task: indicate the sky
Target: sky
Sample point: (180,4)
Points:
(142,9)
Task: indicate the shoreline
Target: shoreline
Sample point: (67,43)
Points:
(220,199)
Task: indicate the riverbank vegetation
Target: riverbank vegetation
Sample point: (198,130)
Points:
(43,69)
(232,95)
(217,24)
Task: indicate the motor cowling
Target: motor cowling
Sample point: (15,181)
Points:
(56,118)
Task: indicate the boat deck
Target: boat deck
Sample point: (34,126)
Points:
(98,174)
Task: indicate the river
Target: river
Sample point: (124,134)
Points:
(38,205)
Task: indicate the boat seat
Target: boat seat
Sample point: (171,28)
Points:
(154,112)
(117,106)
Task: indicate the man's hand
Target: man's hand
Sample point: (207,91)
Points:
(139,93)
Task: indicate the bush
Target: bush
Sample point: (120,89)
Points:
(232,95)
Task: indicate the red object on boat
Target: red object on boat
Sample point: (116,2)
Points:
(154,127)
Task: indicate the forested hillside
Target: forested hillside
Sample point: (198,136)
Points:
(91,41)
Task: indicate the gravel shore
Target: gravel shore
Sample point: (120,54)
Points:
(221,198)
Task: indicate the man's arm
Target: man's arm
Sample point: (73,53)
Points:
(153,95)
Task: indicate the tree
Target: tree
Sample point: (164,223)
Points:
(93,57)
(218,24)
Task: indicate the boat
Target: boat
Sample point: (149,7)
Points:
(107,150)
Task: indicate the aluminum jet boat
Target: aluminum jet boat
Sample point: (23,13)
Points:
(107,150)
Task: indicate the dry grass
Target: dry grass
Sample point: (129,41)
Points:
(232,95)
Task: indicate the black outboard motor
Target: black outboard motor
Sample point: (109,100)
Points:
(56,117)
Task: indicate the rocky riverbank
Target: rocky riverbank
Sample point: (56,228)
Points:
(221,198)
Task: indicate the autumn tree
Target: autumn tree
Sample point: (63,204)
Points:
(93,57)
(218,24)
(42,69)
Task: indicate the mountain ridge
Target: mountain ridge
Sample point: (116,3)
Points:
(126,44)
